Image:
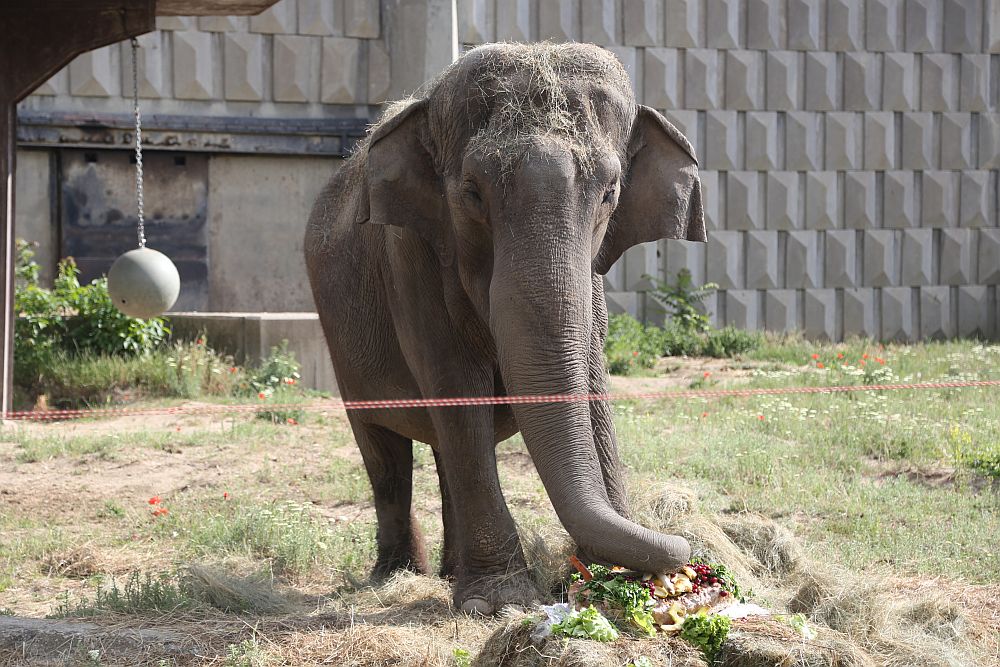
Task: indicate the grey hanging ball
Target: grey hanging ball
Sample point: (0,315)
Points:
(143,283)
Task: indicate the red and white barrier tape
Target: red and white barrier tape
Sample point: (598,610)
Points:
(316,406)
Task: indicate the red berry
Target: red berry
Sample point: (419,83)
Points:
(724,594)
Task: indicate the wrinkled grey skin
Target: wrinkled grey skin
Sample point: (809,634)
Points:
(435,279)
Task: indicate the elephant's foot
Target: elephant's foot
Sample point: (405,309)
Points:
(487,594)
(412,557)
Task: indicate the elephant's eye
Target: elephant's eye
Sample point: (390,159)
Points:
(609,195)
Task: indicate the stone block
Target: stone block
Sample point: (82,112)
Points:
(341,74)
(844,25)
(923,25)
(641,262)
(884,20)
(802,259)
(722,146)
(150,67)
(783,196)
(711,197)
(822,200)
(898,196)
(193,65)
(975,312)
(476,21)
(859,199)
(623,303)
(662,78)
(765,24)
(744,200)
(92,73)
(744,80)
(58,83)
(362,19)
(175,22)
(899,81)
(897,314)
(223,23)
(514,21)
(317,17)
(939,82)
(820,314)
(628,56)
(678,255)
(935,313)
(880,269)
(989,256)
(803,141)
(805,19)
(762,260)
(277,19)
(963,26)
(781,310)
(725,259)
(880,140)
(823,85)
(844,131)
(841,258)
(723,21)
(958,257)
(862,81)
(687,122)
(642,21)
(974,91)
(977,197)
(761,140)
(599,21)
(243,72)
(859,313)
(558,20)
(743,309)
(916,263)
(293,68)
(683,24)
(782,86)
(989,141)
(918,141)
(956,141)
(939,200)
(702,83)
(614,279)
(993,26)
(379,78)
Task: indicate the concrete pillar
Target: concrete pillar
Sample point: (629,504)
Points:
(422,40)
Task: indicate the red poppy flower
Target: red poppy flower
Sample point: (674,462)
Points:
(262,396)
(225,495)
(880,360)
(291,421)
(155,500)
(707,373)
(161,511)
(200,341)
(635,353)
(232,369)
(840,355)
(815,356)
(819,364)
(760,417)
(864,356)
(862,362)
(704,414)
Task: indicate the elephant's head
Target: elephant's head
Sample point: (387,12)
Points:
(529,168)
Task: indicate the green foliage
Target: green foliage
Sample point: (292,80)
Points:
(588,624)
(278,370)
(630,345)
(248,653)
(462,657)
(681,300)
(729,342)
(629,595)
(142,592)
(707,632)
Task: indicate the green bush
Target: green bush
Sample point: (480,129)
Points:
(630,345)
(681,301)
(729,341)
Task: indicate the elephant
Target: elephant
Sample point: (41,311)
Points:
(460,252)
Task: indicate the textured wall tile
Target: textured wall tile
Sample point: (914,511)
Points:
(974,88)
(712,197)
(804,23)
(361,18)
(514,20)
(378,72)
(862,81)
(939,82)
(316,17)
(683,23)
(783,80)
(841,259)
(958,256)
(916,264)
(820,306)
(899,81)
(939,203)
(989,141)
(844,132)
(294,65)
(898,199)
(880,140)
(762,260)
(783,198)
(884,20)
(989,256)
(956,141)
(822,82)
(243,75)
(662,78)
(725,259)
(822,200)
(765,24)
(880,268)
(678,255)
(802,260)
(723,20)
(642,21)
(803,141)
(641,261)
(897,314)
(629,56)
(192,51)
(558,20)
(722,148)
(859,199)
(976,199)
(702,83)
(341,82)
(923,25)
(175,22)
(476,21)
(58,83)
(599,19)
(223,23)
(150,67)
(859,313)
(687,122)
(935,313)
(92,73)
(279,18)
(918,141)
(623,303)
(743,309)
(744,200)
(744,80)
(781,310)
(844,25)
(762,140)
(963,25)
(993,26)
(975,312)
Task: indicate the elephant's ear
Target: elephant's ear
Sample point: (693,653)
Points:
(661,194)
(404,187)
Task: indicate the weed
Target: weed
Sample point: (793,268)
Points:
(248,653)
(682,301)
(142,592)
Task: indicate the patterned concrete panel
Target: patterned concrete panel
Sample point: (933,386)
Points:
(975,312)
(722,145)
(859,313)
(844,132)
(765,24)
(782,80)
(702,79)
(378,72)
(880,267)
(294,67)
(317,17)
(880,140)
(193,64)
(599,20)
(989,256)
(223,23)
(898,199)
(243,72)
(743,309)
(803,140)
(899,81)
(630,57)
(917,257)
(963,25)
(744,200)
(939,200)
(476,21)
(341,71)
(918,141)
(923,25)
(678,255)
(976,199)
(92,74)
(761,140)
(804,20)
(822,200)
(860,189)
(841,258)
(939,82)
(993,27)
(514,20)
(683,25)
(781,310)
(151,67)
(898,314)
(989,141)
(723,19)
(802,259)
(974,88)
(956,141)
(58,84)
(558,20)
(744,80)
(823,85)
(627,303)
(662,78)
(884,20)
(762,260)
(958,257)
(725,259)
(175,22)
(712,195)
(278,19)
(642,21)
(820,310)
(361,19)
(641,262)
(935,313)
(783,197)
(862,81)
(844,25)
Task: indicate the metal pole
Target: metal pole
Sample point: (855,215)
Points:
(8,145)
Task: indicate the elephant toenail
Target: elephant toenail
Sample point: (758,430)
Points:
(477,606)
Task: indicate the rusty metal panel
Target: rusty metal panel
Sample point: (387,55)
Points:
(98,213)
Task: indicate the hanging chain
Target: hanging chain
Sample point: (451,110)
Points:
(140,204)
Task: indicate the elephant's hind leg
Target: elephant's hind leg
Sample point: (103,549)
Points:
(388,459)
(450,554)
